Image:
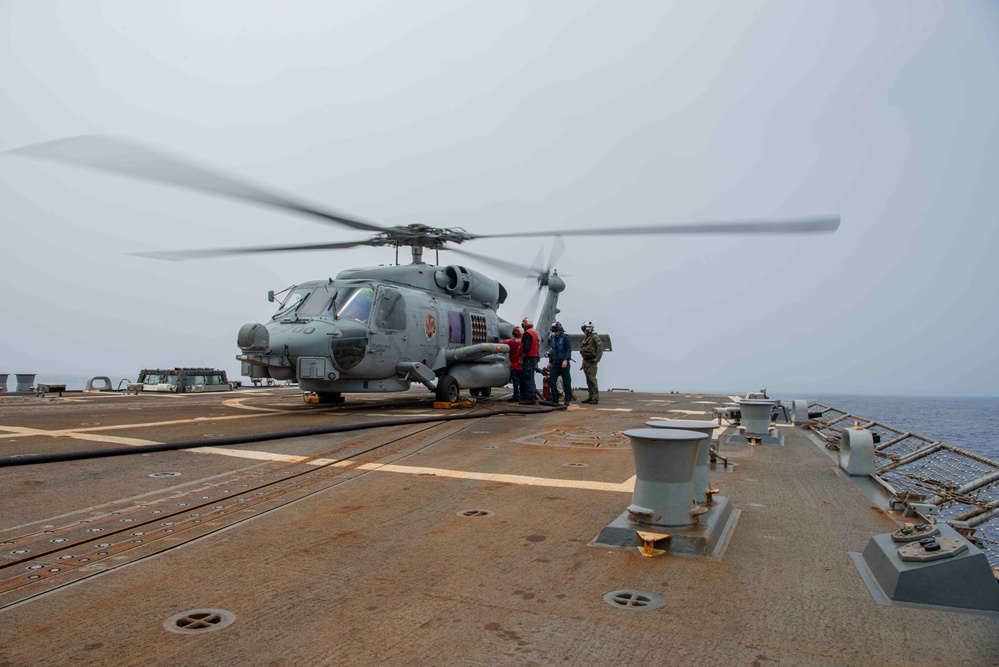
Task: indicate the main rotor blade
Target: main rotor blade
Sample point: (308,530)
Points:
(531,309)
(115,155)
(558,247)
(505,265)
(793,226)
(174,255)
(538,265)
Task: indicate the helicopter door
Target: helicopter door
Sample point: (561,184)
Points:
(388,339)
(431,329)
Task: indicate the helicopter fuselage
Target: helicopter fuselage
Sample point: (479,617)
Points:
(380,329)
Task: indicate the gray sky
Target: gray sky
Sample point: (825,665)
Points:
(517,116)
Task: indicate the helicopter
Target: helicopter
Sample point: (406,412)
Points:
(377,329)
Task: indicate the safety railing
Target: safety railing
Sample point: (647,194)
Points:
(962,486)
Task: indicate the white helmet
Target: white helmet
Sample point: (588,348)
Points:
(587,327)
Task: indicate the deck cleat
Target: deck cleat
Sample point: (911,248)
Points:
(648,548)
(914,533)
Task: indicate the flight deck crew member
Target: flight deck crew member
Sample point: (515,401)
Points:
(591,349)
(516,369)
(530,343)
(561,351)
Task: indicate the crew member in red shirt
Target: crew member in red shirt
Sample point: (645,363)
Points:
(516,369)
(530,348)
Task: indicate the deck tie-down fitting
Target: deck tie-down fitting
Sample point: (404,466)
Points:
(649,540)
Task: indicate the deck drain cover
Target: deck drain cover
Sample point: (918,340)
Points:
(634,600)
(164,474)
(476,513)
(198,621)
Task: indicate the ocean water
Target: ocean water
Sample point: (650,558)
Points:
(970,423)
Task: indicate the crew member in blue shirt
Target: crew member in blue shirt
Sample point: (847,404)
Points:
(559,356)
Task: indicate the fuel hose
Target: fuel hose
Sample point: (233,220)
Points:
(33,459)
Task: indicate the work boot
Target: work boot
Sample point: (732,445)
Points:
(586,400)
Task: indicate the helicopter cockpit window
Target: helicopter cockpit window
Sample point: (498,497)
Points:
(292,301)
(355,303)
(391,313)
(318,302)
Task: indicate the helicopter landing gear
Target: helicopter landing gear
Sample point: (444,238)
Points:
(485,391)
(448,390)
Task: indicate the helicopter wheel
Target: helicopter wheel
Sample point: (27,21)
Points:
(473,392)
(330,396)
(485,391)
(448,390)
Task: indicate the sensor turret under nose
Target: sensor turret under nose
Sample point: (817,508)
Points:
(253,336)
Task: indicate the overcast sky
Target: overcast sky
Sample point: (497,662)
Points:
(513,116)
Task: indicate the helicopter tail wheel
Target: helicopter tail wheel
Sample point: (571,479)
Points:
(448,390)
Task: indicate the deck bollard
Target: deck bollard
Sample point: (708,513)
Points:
(756,415)
(664,484)
(799,412)
(701,485)
(3,381)
(25,381)
(856,451)
(103,383)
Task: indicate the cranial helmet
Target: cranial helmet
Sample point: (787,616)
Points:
(587,327)
(517,332)
(526,323)
(556,326)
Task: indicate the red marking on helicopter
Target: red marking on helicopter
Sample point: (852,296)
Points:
(430,327)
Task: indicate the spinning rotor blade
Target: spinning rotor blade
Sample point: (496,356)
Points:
(793,226)
(107,153)
(174,255)
(512,267)
(558,248)
(538,266)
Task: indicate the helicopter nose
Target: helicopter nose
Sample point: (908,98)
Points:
(253,336)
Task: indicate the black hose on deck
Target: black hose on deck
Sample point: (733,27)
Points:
(31,459)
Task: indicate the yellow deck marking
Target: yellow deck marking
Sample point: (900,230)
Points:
(87,433)
(522,480)
(20,430)
(248,454)
(624,487)
(238,403)
(403,414)
(118,440)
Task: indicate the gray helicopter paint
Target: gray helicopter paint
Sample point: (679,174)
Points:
(434,300)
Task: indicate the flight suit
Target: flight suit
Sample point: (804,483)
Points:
(591,349)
